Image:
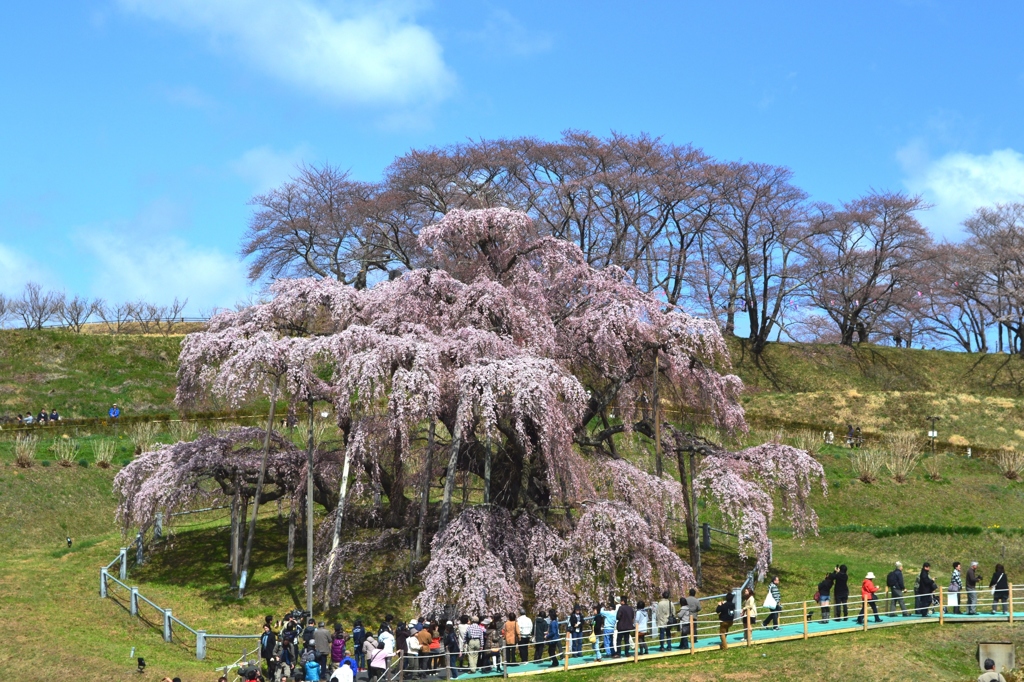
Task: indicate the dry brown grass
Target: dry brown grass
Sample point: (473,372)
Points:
(1010,463)
(903,450)
(867,464)
(25,450)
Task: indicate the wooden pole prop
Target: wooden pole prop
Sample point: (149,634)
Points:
(942,607)
(1010,602)
(568,646)
(805,620)
(864,599)
(636,643)
(693,632)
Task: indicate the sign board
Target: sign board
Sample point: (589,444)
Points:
(1000,652)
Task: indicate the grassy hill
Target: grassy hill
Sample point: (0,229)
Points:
(863,525)
(980,398)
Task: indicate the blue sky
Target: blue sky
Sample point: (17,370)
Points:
(133,133)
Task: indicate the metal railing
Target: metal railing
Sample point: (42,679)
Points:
(131,595)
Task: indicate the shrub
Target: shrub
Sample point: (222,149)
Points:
(142,434)
(46,462)
(183,431)
(809,440)
(933,466)
(65,450)
(25,450)
(1010,463)
(104,452)
(867,464)
(903,450)
(84,463)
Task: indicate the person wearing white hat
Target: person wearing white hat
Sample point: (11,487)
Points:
(867,594)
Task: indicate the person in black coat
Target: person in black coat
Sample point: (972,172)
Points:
(1002,588)
(840,592)
(824,590)
(923,590)
(268,641)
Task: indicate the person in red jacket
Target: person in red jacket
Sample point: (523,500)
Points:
(867,593)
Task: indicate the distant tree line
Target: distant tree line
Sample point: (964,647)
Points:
(738,242)
(37,308)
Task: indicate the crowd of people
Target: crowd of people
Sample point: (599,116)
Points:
(44,418)
(299,648)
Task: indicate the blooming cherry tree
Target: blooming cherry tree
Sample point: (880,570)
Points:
(529,362)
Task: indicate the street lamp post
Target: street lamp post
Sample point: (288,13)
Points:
(932,432)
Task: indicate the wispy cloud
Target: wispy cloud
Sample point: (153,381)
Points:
(265,168)
(353,53)
(958,182)
(17,269)
(503,32)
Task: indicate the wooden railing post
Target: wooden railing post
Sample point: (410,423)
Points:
(636,643)
(864,599)
(693,633)
(805,620)
(942,607)
(1010,602)
(568,646)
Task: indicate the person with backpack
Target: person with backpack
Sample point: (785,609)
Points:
(664,614)
(358,638)
(338,647)
(726,617)
(990,674)
(692,605)
(894,581)
(452,646)
(310,666)
(1000,587)
(641,626)
(924,587)
(840,593)
(867,596)
(824,589)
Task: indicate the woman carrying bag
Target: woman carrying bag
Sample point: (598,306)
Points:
(773,602)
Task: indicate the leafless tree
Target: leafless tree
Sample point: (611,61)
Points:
(994,254)
(861,259)
(172,313)
(74,313)
(5,309)
(316,224)
(116,316)
(36,307)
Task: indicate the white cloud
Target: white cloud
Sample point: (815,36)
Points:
(958,183)
(17,269)
(130,267)
(503,32)
(264,168)
(359,54)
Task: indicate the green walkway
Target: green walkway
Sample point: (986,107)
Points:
(710,641)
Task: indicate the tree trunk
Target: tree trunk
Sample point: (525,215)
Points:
(689,506)
(290,561)
(428,476)
(396,493)
(658,466)
(309,511)
(259,491)
(339,514)
(449,481)
(233,544)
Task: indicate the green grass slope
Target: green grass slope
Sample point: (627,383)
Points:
(82,374)
(980,397)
